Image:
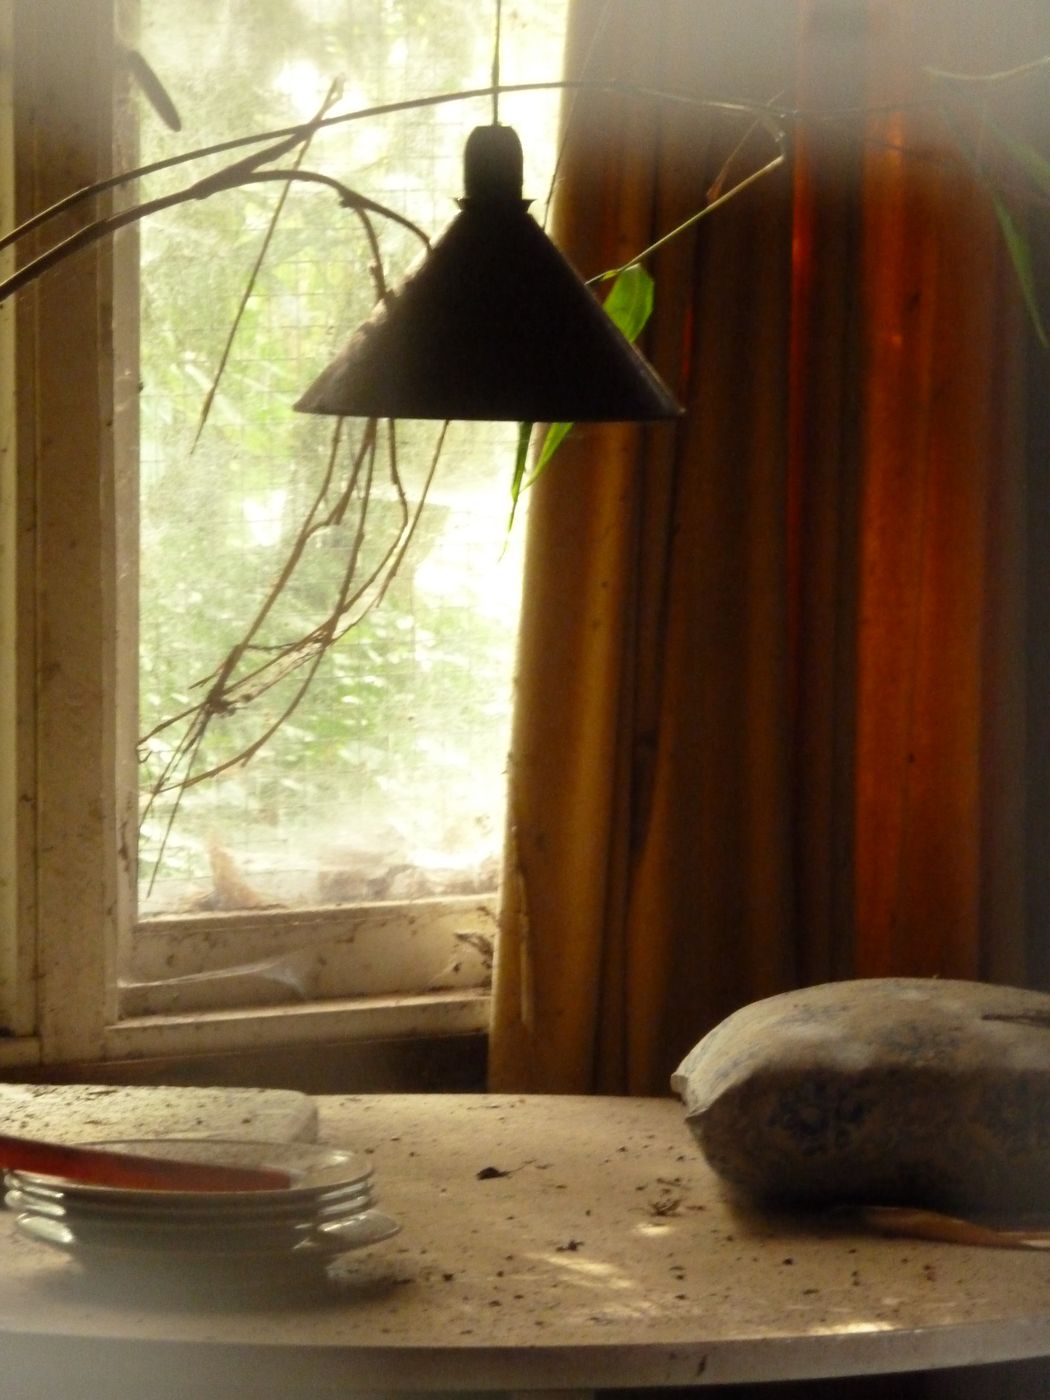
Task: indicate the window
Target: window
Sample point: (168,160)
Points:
(343,883)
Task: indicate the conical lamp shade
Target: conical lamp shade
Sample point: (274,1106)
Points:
(492,324)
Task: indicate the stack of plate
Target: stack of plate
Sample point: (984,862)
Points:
(328,1208)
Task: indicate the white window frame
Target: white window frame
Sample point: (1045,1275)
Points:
(68,801)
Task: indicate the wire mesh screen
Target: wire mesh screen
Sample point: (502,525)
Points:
(383,778)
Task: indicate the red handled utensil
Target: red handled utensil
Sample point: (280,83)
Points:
(101,1166)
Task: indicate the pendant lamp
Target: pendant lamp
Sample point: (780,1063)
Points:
(492,324)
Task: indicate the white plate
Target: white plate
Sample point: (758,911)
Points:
(59,1206)
(315,1171)
(177,1232)
(317,1245)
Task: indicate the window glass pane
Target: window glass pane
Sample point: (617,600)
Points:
(386,780)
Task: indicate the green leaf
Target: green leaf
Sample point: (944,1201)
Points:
(555,436)
(1021,256)
(630,301)
(521,461)
(629,306)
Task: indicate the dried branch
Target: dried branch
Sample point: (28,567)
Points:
(231,178)
(331,97)
(288,137)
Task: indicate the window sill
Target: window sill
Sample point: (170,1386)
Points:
(375,953)
(434,1014)
(356,1019)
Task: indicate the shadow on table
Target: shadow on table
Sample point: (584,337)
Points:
(169,1286)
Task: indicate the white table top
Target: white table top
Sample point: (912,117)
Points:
(91,1112)
(602,1254)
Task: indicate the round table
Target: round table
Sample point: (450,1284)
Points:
(549,1244)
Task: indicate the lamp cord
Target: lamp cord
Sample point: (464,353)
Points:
(495,63)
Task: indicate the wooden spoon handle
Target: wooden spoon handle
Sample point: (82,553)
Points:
(102,1166)
(932,1225)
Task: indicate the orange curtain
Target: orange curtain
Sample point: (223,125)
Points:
(940,703)
(770,726)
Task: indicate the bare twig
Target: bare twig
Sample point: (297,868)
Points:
(288,137)
(226,694)
(718,185)
(710,208)
(331,97)
(229,179)
(1005,75)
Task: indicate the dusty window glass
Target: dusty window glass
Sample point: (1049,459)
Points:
(386,781)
